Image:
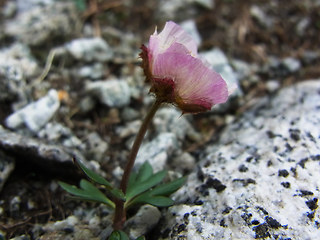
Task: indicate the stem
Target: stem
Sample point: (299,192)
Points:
(120,214)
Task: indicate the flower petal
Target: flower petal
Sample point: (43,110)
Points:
(172,33)
(195,83)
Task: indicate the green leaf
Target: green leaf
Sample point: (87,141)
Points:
(141,238)
(158,201)
(145,172)
(87,192)
(117,193)
(158,195)
(140,187)
(94,176)
(132,181)
(118,235)
(168,188)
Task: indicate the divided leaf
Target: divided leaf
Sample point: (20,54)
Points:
(145,172)
(140,187)
(87,192)
(94,176)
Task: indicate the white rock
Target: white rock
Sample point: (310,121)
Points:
(262,179)
(144,220)
(90,49)
(157,151)
(169,119)
(191,28)
(219,62)
(35,115)
(113,93)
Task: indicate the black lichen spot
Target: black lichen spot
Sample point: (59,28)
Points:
(295,134)
(272,222)
(203,189)
(242,168)
(269,163)
(255,222)
(312,204)
(289,148)
(227,210)
(302,162)
(181,228)
(223,223)
(194,213)
(310,215)
(200,175)
(216,184)
(315,157)
(311,137)
(244,182)
(265,212)
(285,184)
(305,193)
(283,173)
(198,202)
(249,159)
(270,134)
(186,218)
(294,171)
(246,217)
(261,231)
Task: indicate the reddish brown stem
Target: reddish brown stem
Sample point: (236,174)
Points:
(120,214)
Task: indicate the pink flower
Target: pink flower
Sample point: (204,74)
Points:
(178,75)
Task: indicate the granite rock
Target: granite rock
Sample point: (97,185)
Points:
(262,179)
(157,151)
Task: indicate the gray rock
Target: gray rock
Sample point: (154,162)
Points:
(263,19)
(291,64)
(16,64)
(41,24)
(170,9)
(302,25)
(90,49)
(60,134)
(191,28)
(157,151)
(35,115)
(219,62)
(143,221)
(184,161)
(262,179)
(96,147)
(6,167)
(95,71)
(272,85)
(129,114)
(169,119)
(113,93)
(50,157)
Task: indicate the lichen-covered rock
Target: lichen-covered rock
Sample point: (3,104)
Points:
(262,179)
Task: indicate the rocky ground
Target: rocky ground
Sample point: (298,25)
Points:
(71,85)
